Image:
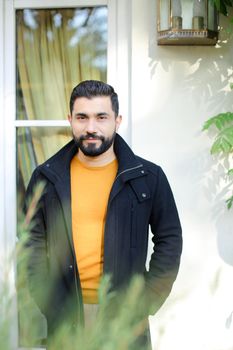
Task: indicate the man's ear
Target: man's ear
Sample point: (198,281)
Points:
(118,121)
(69,117)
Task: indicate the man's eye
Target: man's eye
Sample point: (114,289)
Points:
(102,117)
(81,117)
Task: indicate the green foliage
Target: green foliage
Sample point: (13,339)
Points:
(222,6)
(121,319)
(219,121)
(223,142)
(223,122)
(229,202)
(118,324)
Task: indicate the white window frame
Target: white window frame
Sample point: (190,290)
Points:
(2,239)
(118,75)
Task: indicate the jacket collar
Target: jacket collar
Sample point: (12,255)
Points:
(58,167)
(125,156)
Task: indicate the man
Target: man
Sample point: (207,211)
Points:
(94,215)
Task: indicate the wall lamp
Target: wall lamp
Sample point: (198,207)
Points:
(187,22)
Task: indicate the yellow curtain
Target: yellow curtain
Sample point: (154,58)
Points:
(53,55)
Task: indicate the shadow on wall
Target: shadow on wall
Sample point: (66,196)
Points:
(211,84)
(209,72)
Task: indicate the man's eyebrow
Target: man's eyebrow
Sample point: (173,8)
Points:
(80,114)
(102,113)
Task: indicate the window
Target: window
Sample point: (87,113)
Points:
(55,49)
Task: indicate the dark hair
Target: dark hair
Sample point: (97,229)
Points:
(92,88)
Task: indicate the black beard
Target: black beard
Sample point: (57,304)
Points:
(91,150)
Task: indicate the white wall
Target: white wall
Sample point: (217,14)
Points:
(174,90)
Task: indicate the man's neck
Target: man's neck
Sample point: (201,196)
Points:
(101,160)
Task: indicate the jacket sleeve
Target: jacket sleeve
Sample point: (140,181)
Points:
(167,239)
(36,247)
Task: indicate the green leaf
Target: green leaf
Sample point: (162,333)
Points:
(231,84)
(219,121)
(229,202)
(206,125)
(225,145)
(217,4)
(223,9)
(230,172)
(221,6)
(216,147)
(223,142)
(227,134)
(228,2)
(219,124)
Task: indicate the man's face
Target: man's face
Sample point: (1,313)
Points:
(94,124)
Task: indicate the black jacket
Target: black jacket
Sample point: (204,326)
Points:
(140,197)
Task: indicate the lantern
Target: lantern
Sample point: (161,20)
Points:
(187,22)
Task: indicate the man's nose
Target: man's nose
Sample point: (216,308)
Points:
(91,126)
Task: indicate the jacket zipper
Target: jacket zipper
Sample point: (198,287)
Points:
(79,295)
(126,170)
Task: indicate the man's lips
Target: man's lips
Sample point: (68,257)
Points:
(91,140)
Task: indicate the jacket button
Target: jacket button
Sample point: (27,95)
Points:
(142,171)
(143,195)
(71,267)
(48,165)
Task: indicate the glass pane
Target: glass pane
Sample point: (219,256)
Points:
(187,13)
(164,15)
(56,49)
(34,146)
(194,14)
